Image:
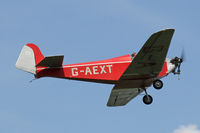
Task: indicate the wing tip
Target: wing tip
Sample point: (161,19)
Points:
(167,29)
(115,105)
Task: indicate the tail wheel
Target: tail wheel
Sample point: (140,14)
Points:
(157,84)
(147,99)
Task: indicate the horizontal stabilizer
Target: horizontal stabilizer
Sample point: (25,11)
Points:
(51,61)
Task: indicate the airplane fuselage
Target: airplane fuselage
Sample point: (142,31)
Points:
(104,71)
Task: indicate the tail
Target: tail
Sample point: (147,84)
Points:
(29,57)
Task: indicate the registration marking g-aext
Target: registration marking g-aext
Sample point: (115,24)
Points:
(92,70)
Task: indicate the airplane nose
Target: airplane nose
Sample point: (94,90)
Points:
(170,66)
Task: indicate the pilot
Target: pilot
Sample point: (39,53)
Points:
(133,55)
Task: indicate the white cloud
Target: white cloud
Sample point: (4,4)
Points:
(187,129)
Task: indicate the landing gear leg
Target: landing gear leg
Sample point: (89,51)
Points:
(147,99)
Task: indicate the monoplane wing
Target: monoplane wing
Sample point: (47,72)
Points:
(121,95)
(147,64)
(149,61)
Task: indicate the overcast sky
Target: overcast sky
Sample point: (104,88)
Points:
(89,30)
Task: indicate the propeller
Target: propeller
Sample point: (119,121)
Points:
(183,55)
(177,62)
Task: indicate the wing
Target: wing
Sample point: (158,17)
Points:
(121,95)
(149,61)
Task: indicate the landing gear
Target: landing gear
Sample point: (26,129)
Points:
(157,84)
(147,99)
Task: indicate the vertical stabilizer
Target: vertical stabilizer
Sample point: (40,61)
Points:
(29,57)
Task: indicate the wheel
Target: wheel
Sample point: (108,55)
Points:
(147,99)
(157,84)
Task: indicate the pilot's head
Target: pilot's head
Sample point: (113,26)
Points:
(133,54)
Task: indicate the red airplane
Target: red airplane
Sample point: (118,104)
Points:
(130,74)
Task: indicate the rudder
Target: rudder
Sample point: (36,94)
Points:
(29,57)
